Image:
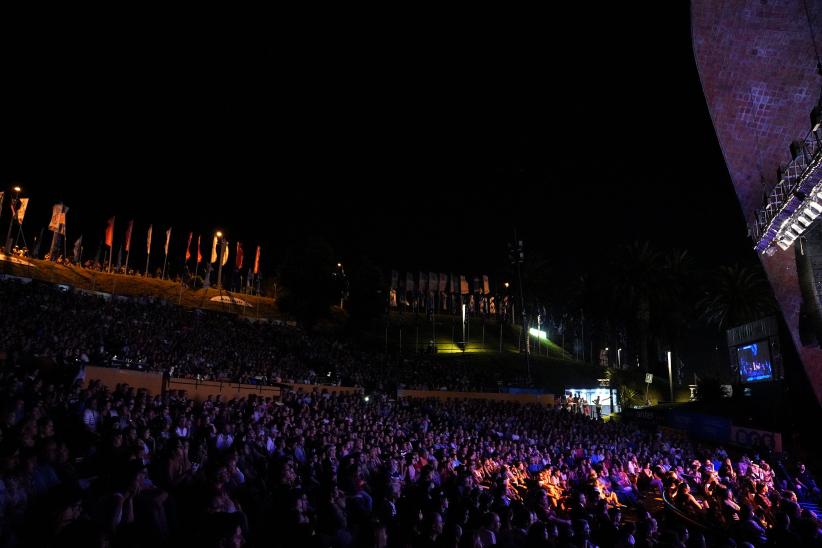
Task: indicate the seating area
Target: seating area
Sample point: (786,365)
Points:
(83,463)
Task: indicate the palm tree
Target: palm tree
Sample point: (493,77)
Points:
(636,284)
(736,295)
(677,310)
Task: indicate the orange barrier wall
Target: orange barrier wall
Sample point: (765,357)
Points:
(545,399)
(111,377)
(198,390)
(327,388)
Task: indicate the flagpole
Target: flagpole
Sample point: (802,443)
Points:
(14,201)
(165,260)
(17,238)
(220,266)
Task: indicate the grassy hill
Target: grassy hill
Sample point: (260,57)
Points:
(415,333)
(120,284)
(489,346)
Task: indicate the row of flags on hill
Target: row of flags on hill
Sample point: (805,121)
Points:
(57,225)
(223,255)
(439,283)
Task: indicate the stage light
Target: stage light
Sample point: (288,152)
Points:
(782,245)
(796,228)
(803,220)
(817,207)
(810,213)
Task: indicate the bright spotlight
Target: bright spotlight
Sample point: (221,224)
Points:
(537,333)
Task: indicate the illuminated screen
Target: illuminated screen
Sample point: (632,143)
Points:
(754,362)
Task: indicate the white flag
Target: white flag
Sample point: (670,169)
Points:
(21,211)
(168,237)
(56,215)
(214,250)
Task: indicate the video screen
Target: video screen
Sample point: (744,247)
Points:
(754,362)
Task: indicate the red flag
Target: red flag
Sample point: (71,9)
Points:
(199,254)
(128,235)
(257,261)
(239,256)
(110,233)
(188,246)
(148,241)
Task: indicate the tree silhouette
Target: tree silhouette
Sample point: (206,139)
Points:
(637,284)
(308,288)
(735,295)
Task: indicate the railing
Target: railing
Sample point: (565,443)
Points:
(679,515)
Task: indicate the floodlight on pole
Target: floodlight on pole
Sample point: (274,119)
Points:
(463,327)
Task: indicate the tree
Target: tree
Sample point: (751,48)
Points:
(308,288)
(368,297)
(636,284)
(735,295)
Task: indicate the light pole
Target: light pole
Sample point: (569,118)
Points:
(17,190)
(220,260)
(342,284)
(670,377)
(619,358)
(463,327)
(516,255)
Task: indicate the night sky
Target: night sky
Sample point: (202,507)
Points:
(422,149)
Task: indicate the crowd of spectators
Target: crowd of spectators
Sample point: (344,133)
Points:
(86,465)
(149,334)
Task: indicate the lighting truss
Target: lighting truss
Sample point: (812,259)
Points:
(794,204)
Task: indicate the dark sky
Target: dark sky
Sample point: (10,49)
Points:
(422,148)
